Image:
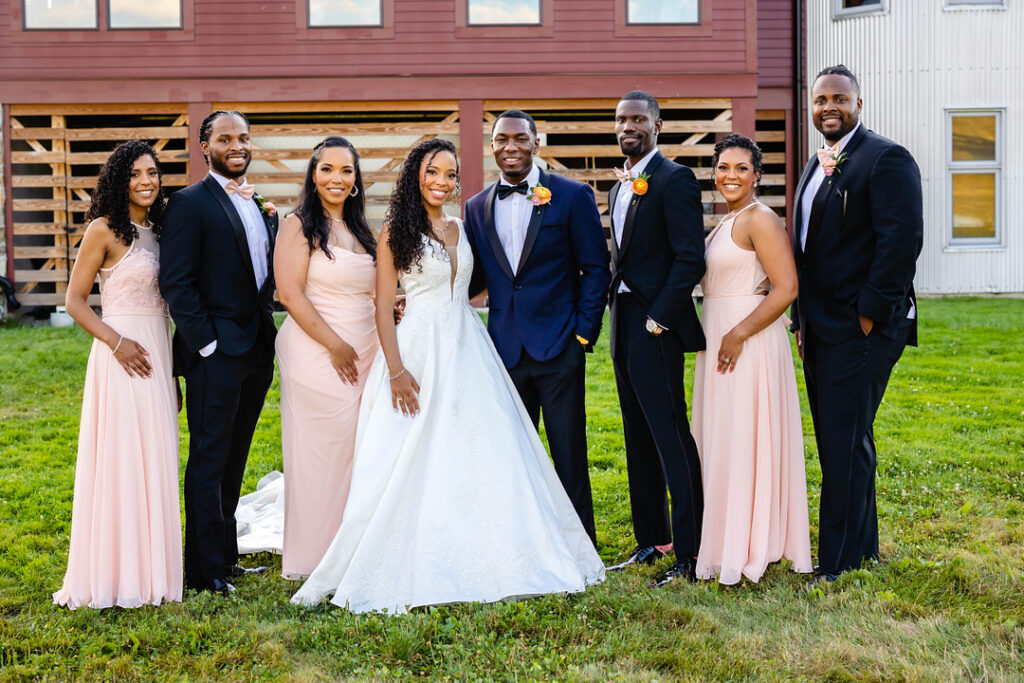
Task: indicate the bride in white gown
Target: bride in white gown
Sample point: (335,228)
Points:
(453,497)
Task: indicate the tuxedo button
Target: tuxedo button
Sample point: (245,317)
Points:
(517,287)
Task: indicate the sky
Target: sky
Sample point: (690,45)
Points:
(663,11)
(504,11)
(344,13)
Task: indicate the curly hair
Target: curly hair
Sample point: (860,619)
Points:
(110,198)
(310,210)
(406,216)
(742,142)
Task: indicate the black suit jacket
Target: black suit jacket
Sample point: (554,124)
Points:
(661,257)
(863,239)
(206,275)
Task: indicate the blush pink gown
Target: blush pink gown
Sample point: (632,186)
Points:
(747,427)
(319,411)
(125,548)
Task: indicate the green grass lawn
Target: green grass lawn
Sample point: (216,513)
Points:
(946,602)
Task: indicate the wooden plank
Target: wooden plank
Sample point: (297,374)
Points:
(702,127)
(40,276)
(95,158)
(605,103)
(613,151)
(89,109)
(337,106)
(37,181)
(396,128)
(40,299)
(771,115)
(770,136)
(150,133)
(21,252)
(304,153)
(49,205)
(37,133)
(44,157)
(46,228)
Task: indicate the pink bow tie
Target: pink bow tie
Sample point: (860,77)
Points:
(623,175)
(825,155)
(244,191)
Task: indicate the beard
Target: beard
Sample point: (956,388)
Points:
(219,167)
(631,149)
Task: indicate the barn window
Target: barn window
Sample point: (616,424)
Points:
(150,14)
(662,12)
(60,14)
(856,8)
(503,12)
(326,13)
(975,173)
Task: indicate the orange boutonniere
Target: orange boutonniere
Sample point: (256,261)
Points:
(539,195)
(640,185)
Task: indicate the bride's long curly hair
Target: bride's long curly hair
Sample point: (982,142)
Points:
(406,216)
(110,198)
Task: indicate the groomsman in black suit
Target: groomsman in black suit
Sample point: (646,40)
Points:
(856,237)
(657,258)
(216,273)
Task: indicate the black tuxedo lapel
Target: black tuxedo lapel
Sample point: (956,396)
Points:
(817,209)
(613,195)
(531,231)
(830,186)
(236,224)
(798,224)
(634,204)
(492,232)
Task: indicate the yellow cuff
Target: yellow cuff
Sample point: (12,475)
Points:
(582,340)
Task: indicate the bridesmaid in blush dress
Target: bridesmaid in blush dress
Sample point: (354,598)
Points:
(746,412)
(325,270)
(125,548)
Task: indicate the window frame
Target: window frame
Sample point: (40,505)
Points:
(623,29)
(20,35)
(994,167)
(839,12)
(969,5)
(545,29)
(179,27)
(698,22)
(385,30)
(23,22)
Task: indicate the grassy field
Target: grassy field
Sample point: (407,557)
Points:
(944,604)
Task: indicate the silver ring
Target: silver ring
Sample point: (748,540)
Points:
(726,360)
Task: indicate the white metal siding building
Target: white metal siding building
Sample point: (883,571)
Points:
(944,78)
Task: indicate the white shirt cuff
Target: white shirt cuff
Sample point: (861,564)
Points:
(208,350)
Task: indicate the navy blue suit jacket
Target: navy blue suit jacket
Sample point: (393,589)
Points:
(559,289)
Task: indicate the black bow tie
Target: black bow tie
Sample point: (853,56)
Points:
(505,190)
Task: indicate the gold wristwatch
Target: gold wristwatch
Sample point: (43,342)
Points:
(654,328)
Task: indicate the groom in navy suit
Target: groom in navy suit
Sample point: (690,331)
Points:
(540,251)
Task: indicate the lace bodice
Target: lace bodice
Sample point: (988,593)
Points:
(130,285)
(429,285)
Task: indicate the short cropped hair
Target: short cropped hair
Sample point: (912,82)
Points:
(840,70)
(644,96)
(516,114)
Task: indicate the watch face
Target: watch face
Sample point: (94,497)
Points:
(651,326)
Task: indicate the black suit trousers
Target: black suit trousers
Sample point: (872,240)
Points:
(557,388)
(845,385)
(223,396)
(660,449)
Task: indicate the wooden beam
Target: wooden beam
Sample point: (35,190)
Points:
(90,109)
(282,107)
(603,103)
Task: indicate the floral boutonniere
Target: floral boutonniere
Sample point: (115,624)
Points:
(266,207)
(539,195)
(832,163)
(640,184)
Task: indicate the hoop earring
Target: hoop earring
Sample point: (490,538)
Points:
(354,192)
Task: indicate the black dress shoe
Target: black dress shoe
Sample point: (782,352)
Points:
(819,577)
(218,586)
(685,568)
(237,571)
(645,555)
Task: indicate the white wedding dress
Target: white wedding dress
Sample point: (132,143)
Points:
(459,503)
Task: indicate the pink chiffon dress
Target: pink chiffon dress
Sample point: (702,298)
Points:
(747,427)
(318,411)
(125,547)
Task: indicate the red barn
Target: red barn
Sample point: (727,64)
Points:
(77,76)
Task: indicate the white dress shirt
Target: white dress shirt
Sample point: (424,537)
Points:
(512,218)
(255,235)
(622,200)
(812,187)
